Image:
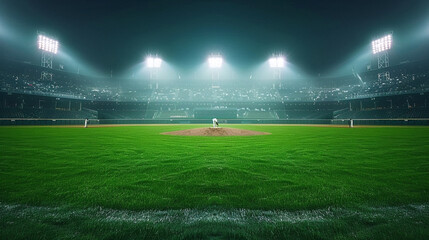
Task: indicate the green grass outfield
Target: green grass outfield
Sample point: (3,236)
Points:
(132,182)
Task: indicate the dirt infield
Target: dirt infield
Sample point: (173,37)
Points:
(215,132)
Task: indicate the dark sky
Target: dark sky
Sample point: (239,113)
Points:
(315,35)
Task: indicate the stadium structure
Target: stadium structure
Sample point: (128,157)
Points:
(232,145)
(69,98)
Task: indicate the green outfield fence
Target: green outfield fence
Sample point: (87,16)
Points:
(357,122)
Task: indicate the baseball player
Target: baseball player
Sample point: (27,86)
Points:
(215,123)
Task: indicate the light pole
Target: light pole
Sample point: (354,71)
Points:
(380,48)
(49,48)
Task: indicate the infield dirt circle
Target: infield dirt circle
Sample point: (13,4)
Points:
(215,132)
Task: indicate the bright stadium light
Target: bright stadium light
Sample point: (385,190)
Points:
(49,48)
(380,49)
(277,62)
(47,44)
(154,65)
(382,44)
(153,62)
(215,61)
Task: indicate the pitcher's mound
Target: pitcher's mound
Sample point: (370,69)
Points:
(215,132)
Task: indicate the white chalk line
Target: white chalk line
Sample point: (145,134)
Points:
(193,216)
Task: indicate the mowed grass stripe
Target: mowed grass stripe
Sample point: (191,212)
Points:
(137,168)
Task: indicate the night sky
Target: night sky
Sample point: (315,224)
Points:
(315,35)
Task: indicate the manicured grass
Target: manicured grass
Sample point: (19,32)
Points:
(137,168)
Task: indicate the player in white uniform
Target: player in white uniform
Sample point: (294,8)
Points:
(86,122)
(215,123)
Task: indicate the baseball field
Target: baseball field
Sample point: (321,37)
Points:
(295,182)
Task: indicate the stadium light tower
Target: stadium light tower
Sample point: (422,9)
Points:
(215,63)
(49,47)
(277,63)
(381,48)
(154,64)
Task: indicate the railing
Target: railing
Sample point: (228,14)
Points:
(44,121)
(338,112)
(357,122)
(384,122)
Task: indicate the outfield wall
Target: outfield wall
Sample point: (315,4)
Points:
(357,122)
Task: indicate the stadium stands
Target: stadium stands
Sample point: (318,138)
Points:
(74,96)
(46,113)
(386,114)
(171,114)
(261,115)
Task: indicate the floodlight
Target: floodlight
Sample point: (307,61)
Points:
(215,62)
(153,62)
(277,62)
(382,44)
(47,44)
